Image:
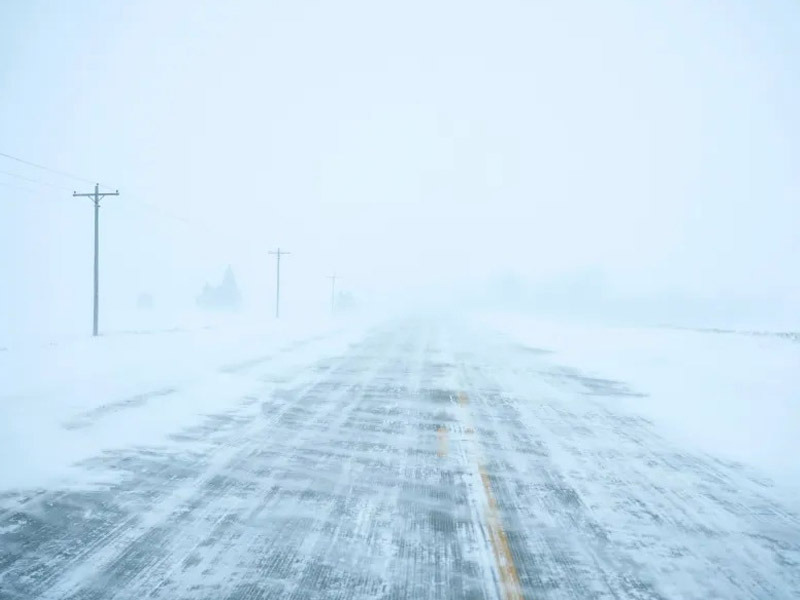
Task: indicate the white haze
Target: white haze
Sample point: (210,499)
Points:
(625,160)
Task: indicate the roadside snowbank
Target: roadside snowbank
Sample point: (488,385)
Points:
(736,396)
(70,399)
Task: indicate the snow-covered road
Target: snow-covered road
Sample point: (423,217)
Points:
(425,461)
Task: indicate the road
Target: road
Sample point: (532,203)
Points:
(426,461)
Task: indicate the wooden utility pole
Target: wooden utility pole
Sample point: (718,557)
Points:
(96,196)
(278,255)
(333,279)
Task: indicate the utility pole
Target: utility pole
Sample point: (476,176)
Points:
(333,279)
(96,197)
(278,255)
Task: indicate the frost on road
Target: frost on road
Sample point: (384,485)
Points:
(423,462)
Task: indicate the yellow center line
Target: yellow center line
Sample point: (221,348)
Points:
(510,586)
(509,580)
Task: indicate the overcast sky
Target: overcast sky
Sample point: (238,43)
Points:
(651,146)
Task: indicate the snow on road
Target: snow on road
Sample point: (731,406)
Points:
(733,395)
(423,460)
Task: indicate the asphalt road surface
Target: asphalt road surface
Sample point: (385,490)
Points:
(426,461)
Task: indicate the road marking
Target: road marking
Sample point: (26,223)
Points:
(509,580)
(441,441)
(510,587)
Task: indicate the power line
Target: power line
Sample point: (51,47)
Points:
(31,180)
(18,187)
(29,191)
(154,207)
(166,213)
(50,169)
(96,195)
(192,222)
(95,198)
(199,226)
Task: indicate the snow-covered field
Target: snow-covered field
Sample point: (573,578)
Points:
(69,398)
(732,395)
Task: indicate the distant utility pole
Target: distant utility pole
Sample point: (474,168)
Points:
(333,279)
(278,255)
(96,196)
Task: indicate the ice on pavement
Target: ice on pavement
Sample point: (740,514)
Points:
(403,459)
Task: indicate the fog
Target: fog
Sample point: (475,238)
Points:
(561,357)
(622,160)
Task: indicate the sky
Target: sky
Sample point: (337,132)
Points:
(644,153)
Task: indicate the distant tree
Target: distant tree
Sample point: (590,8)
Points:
(225,296)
